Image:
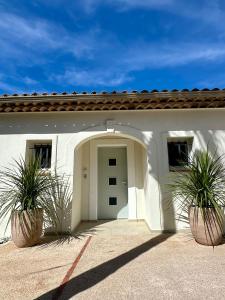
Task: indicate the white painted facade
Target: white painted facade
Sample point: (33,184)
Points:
(76,136)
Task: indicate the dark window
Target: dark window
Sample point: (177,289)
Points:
(112,181)
(112,162)
(112,200)
(178,154)
(43,153)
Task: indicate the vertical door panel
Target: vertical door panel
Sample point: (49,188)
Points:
(112,183)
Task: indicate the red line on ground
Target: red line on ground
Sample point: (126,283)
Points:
(70,271)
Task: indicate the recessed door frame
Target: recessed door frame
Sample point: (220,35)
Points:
(93,193)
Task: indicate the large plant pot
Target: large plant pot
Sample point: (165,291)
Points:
(26,227)
(207,232)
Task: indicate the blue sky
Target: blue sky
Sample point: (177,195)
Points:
(77,45)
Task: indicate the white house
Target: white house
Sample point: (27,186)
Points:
(118,149)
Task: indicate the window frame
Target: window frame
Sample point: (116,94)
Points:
(189,141)
(30,152)
(37,146)
(114,198)
(112,177)
(112,159)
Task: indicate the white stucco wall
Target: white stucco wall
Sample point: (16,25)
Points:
(85,170)
(139,154)
(152,128)
(77,184)
(138,170)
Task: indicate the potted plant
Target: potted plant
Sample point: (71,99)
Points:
(200,191)
(23,190)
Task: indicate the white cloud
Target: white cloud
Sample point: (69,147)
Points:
(142,3)
(206,11)
(8,88)
(151,56)
(29,41)
(18,84)
(146,56)
(90,5)
(27,31)
(217,80)
(29,81)
(25,39)
(93,78)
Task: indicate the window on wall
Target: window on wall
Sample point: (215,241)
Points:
(178,153)
(112,181)
(112,162)
(44,154)
(112,200)
(42,151)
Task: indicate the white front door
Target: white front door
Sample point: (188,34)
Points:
(112,183)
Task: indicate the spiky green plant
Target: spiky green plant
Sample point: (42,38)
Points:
(58,206)
(202,185)
(25,187)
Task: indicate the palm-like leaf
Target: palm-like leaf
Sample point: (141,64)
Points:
(203,185)
(25,187)
(58,203)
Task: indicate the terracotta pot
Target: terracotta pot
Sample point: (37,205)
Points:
(208,232)
(26,227)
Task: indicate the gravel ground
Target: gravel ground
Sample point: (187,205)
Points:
(122,261)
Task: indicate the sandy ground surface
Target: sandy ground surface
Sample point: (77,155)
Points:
(30,272)
(122,261)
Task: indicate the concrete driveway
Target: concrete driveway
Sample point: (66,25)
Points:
(121,260)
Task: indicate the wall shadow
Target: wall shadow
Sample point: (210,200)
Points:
(173,215)
(95,275)
(167,210)
(84,229)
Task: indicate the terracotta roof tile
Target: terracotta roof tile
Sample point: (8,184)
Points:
(124,100)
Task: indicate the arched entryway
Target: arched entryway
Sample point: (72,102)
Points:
(109,178)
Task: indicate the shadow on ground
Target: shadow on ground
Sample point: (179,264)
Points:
(95,275)
(84,229)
